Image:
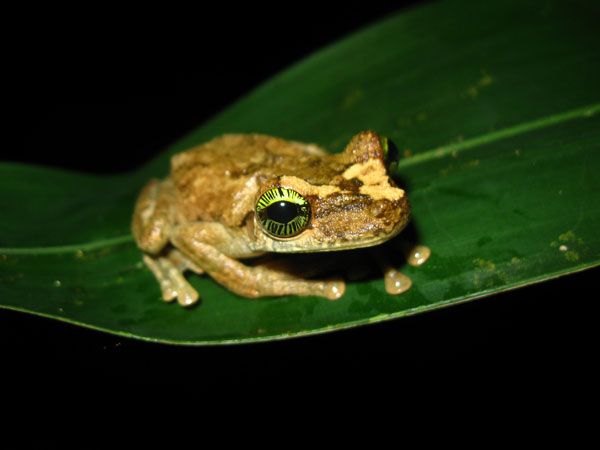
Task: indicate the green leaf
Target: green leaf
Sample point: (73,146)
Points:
(495,106)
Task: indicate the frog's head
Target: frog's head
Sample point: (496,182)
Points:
(352,203)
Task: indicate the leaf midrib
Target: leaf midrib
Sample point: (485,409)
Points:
(438,152)
(505,133)
(86,247)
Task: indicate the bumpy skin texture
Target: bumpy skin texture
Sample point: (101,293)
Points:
(202,217)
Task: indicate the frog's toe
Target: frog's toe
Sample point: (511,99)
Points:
(396,282)
(177,287)
(334,289)
(168,291)
(187,295)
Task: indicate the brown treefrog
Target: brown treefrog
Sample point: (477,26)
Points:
(243,195)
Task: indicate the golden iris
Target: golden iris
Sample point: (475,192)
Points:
(282,212)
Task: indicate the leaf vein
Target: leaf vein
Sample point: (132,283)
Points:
(88,246)
(544,122)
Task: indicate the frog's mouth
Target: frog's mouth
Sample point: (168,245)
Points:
(345,243)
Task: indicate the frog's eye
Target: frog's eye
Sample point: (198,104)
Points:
(282,212)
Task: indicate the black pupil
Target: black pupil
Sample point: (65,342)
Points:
(283,212)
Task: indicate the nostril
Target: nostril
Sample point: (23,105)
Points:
(377,209)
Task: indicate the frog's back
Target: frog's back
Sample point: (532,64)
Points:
(207,177)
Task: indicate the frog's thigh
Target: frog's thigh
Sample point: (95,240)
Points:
(243,280)
(152,216)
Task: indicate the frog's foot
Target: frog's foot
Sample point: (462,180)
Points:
(170,277)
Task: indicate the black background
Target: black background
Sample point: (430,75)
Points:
(103,91)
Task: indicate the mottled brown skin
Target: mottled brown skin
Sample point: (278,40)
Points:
(202,216)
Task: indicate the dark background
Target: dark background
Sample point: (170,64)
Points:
(105,91)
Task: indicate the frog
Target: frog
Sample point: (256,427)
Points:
(240,196)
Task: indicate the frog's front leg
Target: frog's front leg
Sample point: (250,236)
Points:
(152,216)
(151,227)
(208,246)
